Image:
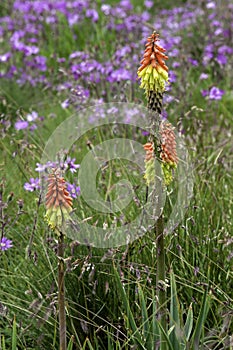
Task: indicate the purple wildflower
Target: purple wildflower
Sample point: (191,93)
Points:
(70,163)
(32,185)
(73,190)
(5,57)
(31,117)
(5,243)
(193,62)
(21,124)
(42,167)
(65,104)
(106,9)
(221,59)
(148,3)
(203,76)
(93,14)
(213,94)
(216,93)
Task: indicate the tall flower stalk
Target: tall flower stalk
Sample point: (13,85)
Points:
(58,207)
(161,145)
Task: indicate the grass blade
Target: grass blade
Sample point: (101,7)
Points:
(3,343)
(71,342)
(189,323)
(174,315)
(14,335)
(145,318)
(170,346)
(127,308)
(201,320)
(155,327)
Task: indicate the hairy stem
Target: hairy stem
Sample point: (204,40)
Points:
(61,293)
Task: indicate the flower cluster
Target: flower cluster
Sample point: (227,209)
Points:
(58,202)
(30,122)
(153,72)
(69,164)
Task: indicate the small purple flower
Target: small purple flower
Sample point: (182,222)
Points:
(221,59)
(40,167)
(93,14)
(5,243)
(31,117)
(172,76)
(65,104)
(5,57)
(193,62)
(126,4)
(73,190)
(71,164)
(119,75)
(205,93)
(106,9)
(33,185)
(210,5)
(176,64)
(215,93)
(218,31)
(148,3)
(21,124)
(203,76)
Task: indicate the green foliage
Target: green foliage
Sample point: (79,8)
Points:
(180,335)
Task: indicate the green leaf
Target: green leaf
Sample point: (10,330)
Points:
(145,318)
(154,325)
(3,343)
(14,335)
(189,323)
(127,308)
(170,347)
(71,342)
(87,341)
(201,321)
(175,334)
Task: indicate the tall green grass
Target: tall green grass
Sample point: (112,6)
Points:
(105,310)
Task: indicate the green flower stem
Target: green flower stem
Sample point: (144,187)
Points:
(61,293)
(159,234)
(160,277)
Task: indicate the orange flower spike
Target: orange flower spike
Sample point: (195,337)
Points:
(153,70)
(168,153)
(58,202)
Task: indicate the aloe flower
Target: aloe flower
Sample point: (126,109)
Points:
(154,72)
(58,202)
